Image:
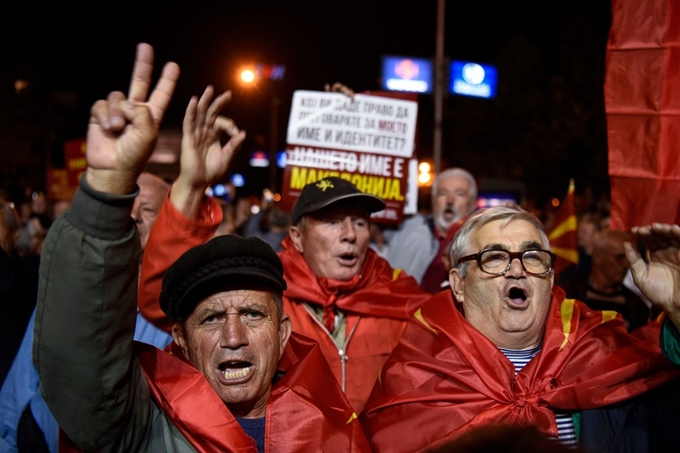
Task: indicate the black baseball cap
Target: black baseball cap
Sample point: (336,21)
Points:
(317,195)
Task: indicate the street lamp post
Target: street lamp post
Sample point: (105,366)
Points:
(273,141)
(252,76)
(438,88)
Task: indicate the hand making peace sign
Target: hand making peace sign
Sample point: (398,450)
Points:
(123,131)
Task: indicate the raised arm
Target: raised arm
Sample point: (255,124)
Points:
(658,279)
(204,160)
(85,319)
(188,218)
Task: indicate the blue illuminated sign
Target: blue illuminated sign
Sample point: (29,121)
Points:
(281,159)
(407,74)
(473,79)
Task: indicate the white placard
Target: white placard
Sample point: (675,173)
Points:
(373,124)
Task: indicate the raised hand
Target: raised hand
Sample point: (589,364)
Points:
(659,280)
(204,160)
(123,131)
(338,87)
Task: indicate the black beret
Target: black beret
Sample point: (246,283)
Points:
(224,263)
(317,195)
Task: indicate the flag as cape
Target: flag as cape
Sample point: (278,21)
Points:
(642,101)
(306,411)
(445,377)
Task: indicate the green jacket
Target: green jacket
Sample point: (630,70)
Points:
(89,376)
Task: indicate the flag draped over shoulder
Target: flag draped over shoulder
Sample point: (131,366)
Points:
(642,101)
(446,378)
(563,237)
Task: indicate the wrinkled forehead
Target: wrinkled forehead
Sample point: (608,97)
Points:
(513,235)
(236,300)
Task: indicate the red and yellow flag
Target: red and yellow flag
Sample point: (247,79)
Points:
(563,237)
(642,103)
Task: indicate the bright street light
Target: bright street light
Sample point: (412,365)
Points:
(255,75)
(248,76)
(425,176)
(424,167)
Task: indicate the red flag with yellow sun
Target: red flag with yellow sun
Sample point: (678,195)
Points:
(563,237)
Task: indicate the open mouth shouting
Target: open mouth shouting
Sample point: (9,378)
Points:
(235,371)
(517,297)
(449,213)
(347,259)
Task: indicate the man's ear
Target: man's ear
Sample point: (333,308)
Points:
(179,337)
(285,328)
(296,237)
(457,285)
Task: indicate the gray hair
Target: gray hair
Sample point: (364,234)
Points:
(460,245)
(455,172)
(278,300)
(303,223)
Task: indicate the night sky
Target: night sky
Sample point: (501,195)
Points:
(90,51)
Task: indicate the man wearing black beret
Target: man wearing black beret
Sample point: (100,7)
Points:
(234,379)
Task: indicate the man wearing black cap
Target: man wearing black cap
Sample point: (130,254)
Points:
(340,292)
(234,379)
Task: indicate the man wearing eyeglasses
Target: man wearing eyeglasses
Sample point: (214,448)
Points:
(507,347)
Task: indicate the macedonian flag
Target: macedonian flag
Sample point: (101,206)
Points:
(642,101)
(563,237)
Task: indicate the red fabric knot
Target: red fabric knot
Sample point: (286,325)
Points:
(334,290)
(329,313)
(524,400)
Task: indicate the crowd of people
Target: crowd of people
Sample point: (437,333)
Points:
(160,322)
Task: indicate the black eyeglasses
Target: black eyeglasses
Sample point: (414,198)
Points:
(497,262)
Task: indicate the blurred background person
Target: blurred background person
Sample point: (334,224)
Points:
(378,242)
(228,223)
(18,288)
(26,424)
(59,206)
(152,193)
(602,288)
(270,223)
(417,245)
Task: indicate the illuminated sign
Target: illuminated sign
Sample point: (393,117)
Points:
(486,200)
(407,74)
(259,159)
(473,79)
(271,72)
(281,159)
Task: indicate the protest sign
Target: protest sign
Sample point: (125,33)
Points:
(368,140)
(76,164)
